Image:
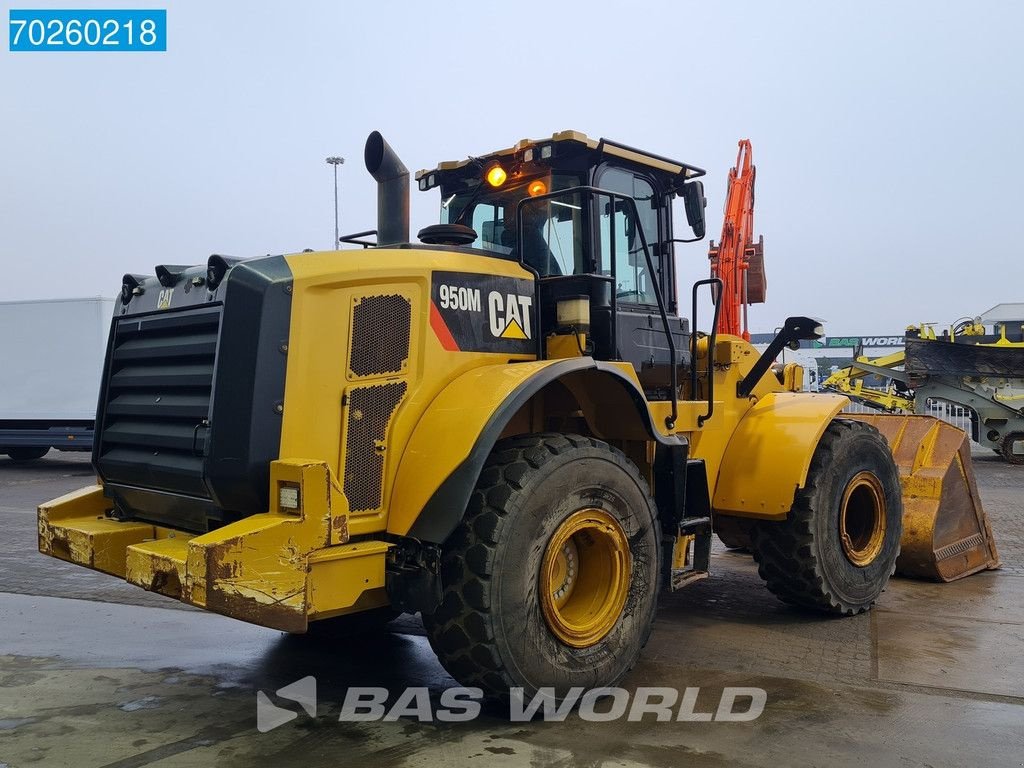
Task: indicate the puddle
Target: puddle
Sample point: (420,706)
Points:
(146,702)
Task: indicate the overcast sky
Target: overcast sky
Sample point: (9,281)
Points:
(886,135)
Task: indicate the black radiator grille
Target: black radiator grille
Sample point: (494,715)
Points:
(157,400)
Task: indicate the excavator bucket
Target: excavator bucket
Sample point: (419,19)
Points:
(946,534)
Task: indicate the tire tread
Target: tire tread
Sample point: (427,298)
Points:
(785,551)
(461,630)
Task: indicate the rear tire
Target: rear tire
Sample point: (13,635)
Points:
(26,454)
(501,624)
(838,547)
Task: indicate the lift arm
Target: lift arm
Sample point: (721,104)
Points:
(849,381)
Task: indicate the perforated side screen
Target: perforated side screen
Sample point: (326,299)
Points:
(369,412)
(380,335)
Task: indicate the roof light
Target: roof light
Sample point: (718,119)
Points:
(546,151)
(496,175)
(536,188)
(528,155)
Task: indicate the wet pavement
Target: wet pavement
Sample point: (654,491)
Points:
(94,672)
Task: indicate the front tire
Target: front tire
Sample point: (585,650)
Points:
(838,547)
(551,579)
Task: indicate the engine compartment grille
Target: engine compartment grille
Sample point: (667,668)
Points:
(156,400)
(370,409)
(380,335)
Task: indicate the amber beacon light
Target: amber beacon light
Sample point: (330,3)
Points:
(496,175)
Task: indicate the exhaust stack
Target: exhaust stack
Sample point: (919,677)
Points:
(392,190)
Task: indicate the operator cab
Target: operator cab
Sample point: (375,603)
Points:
(593,221)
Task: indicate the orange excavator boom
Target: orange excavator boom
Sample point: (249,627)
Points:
(737,260)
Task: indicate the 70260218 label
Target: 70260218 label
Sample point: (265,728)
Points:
(87,29)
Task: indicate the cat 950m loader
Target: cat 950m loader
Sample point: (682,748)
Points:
(507,427)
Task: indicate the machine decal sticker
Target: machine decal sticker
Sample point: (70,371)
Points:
(441,330)
(482,313)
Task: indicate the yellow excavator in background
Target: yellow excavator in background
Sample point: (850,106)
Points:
(981,371)
(507,427)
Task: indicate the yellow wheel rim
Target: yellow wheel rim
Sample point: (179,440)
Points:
(584,577)
(862,519)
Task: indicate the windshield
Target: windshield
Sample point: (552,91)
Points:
(491,213)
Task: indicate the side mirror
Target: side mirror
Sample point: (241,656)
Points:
(695,203)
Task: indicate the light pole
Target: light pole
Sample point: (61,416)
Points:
(336,161)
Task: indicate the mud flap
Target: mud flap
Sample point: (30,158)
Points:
(946,534)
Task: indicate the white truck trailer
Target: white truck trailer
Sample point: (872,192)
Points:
(51,361)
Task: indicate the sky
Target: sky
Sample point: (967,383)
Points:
(884,134)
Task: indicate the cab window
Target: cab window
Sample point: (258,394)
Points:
(553,236)
(553,230)
(489,223)
(634,283)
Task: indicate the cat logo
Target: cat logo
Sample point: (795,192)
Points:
(509,315)
(163,301)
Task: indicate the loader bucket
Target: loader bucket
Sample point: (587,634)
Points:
(946,534)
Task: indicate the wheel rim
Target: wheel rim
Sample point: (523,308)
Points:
(862,519)
(584,577)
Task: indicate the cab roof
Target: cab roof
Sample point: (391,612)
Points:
(567,140)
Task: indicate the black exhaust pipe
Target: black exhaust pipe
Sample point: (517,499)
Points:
(392,190)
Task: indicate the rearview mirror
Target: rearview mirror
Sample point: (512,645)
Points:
(695,202)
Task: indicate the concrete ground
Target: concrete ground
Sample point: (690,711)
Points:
(94,672)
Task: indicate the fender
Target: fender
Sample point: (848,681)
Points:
(454,437)
(769,454)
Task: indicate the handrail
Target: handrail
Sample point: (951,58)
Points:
(353,238)
(711,348)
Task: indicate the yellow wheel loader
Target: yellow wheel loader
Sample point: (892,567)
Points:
(507,427)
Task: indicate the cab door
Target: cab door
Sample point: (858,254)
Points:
(640,334)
